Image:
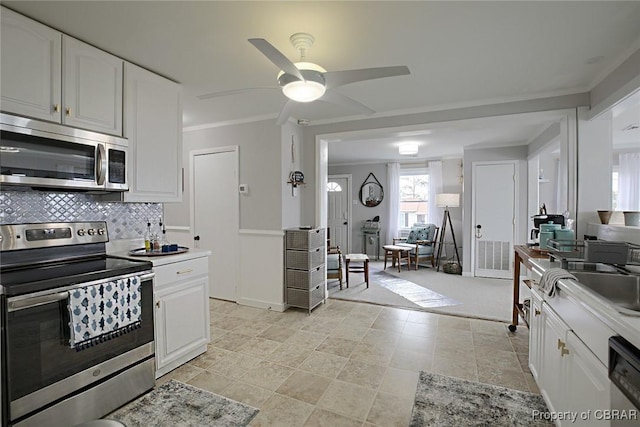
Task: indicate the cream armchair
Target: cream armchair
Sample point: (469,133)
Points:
(334,263)
(422,242)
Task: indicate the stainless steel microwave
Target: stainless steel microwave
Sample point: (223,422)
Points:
(40,154)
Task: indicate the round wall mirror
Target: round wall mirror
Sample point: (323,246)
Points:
(371,192)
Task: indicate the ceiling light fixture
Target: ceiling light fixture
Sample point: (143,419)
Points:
(408,148)
(312,88)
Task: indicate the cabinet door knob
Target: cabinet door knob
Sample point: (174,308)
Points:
(158,304)
(68,111)
(564,351)
(56,108)
(560,344)
(537,312)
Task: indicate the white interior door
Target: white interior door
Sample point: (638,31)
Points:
(339,211)
(494,213)
(216,217)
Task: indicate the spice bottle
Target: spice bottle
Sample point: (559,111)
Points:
(147,238)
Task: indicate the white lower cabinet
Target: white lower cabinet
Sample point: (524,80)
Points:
(588,378)
(535,335)
(572,380)
(552,356)
(182,313)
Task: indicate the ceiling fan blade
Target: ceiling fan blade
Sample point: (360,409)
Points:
(340,99)
(275,56)
(233,92)
(341,78)
(285,112)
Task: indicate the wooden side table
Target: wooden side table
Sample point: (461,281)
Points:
(364,268)
(396,252)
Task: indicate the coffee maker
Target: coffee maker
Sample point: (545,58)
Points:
(544,219)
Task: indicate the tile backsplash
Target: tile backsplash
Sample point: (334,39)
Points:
(124,220)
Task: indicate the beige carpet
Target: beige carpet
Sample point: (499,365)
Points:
(428,290)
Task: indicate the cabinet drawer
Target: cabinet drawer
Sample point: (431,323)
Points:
(305,239)
(305,299)
(302,279)
(305,260)
(178,271)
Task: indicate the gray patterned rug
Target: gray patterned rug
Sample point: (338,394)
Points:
(445,401)
(177,404)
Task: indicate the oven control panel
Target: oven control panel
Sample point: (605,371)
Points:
(29,236)
(33,234)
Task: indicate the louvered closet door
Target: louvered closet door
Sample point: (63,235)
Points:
(494,212)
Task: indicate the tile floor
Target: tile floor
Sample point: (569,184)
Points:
(348,364)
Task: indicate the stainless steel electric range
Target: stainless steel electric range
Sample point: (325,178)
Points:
(77,324)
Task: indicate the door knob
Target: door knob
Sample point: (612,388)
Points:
(196,238)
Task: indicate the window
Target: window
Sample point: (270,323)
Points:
(414,198)
(333,186)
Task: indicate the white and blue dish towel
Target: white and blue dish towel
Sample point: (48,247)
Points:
(104,311)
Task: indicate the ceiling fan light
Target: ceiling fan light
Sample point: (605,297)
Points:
(408,148)
(303,91)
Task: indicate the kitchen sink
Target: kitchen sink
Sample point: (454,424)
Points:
(623,290)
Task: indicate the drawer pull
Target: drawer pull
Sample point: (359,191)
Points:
(187,271)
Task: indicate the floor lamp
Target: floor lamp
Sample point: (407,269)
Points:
(446,201)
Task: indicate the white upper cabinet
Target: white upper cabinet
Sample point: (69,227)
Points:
(31,68)
(50,76)
(92,88)
(153,125)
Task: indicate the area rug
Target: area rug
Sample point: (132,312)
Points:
(445,401)
(428,290)
(178,404)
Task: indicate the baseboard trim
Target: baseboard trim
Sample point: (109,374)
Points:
(279,307)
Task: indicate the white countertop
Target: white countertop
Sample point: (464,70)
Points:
(626,326)
(121,248)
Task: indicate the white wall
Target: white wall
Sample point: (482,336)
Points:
(313,133)
(265,162)
(594,171)
(260,167)
(452,176)
(616,86)
(291,161)
(360,212)
(451,183)
(548,163)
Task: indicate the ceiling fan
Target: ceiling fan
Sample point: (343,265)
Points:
(306,82)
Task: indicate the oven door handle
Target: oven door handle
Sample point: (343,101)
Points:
(147,276)
(36,301)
